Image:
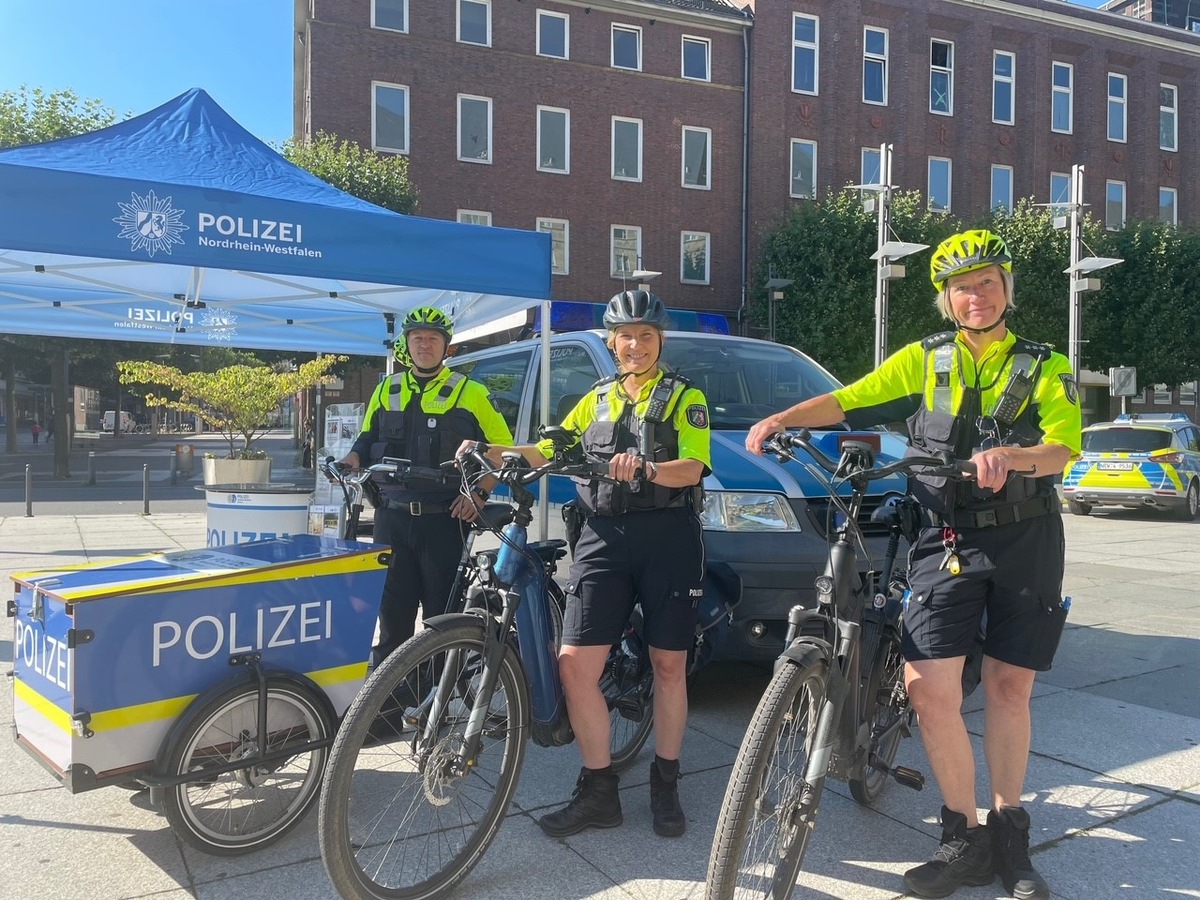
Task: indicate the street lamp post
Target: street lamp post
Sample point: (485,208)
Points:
(775,288)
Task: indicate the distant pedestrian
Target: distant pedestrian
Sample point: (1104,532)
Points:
(37,431)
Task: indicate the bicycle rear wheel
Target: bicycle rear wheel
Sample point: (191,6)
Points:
(769,811)
(887,704)
(401,814)
(628,687)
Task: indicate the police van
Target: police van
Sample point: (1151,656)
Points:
(767,526)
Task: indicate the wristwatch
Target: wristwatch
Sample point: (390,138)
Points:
(481,494)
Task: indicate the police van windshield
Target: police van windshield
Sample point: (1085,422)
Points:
(745,381)
(1126,440)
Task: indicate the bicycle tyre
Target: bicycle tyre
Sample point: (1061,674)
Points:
(751,855)
(435,825)
(884,706)
(247,809)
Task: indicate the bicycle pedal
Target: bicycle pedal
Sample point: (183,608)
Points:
(910,778)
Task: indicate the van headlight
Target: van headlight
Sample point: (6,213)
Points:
(743,511)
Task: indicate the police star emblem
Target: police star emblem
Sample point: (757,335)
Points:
(1070,388)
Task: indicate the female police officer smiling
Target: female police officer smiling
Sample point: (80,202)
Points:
(640,546)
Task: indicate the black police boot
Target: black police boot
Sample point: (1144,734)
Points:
(596,803)
(1010,854)
(664,798)
(965,857)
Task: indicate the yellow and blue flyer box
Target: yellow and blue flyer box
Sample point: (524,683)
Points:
(107,656)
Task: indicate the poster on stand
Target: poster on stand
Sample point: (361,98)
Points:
(343,422)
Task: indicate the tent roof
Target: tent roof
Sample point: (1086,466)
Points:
(180,226)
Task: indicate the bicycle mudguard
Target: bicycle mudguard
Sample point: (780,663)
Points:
(446,621)
(805,650)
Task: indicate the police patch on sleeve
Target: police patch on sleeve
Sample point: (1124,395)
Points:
(1070,388)
(697,415)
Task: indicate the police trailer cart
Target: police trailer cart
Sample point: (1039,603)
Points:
(214,677)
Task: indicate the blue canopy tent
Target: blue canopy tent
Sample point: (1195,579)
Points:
(180,226)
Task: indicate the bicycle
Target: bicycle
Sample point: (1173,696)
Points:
(411,816)
(836,704)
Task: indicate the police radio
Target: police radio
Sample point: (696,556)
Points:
(1016,392)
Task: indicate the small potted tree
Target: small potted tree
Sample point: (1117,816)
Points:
(237,401)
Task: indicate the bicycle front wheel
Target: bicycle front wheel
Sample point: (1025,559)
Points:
(769,810)
(403,815)
(887,707)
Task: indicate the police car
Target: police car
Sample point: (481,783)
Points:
(1142,459)
(767,525)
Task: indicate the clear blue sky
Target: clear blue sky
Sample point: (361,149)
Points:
(135,54)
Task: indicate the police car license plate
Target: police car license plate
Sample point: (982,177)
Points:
(1114,466)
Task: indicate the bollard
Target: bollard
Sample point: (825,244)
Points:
(91,467)
(28,491)
(145,489)
(174,470)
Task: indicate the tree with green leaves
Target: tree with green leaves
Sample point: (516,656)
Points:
(237,400)
(379,178)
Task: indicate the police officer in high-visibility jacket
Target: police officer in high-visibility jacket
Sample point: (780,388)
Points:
(992,551)
(641,546)
(422,413)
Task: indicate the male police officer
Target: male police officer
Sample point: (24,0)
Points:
(995,547)
(422,414)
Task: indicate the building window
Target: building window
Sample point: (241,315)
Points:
(697,157)
(871,164)
(696,58)
(626,243)
(1162,395)
(939,184)
(1187,393)
(389,117)
(1168,117)
(693,257)
(626,149)
(390,15)
(553,34)
(560,233)
(1118,89)
(474,129)
(474,217)
(804,169)
(1062,97)
(941,77)
(1002,188)
(1168,205)
(1114,205)
(1060,194)
(805,53)
(875,66)
(554,140)
(1004,87)
(1139,397)
(475,22)
(626,47)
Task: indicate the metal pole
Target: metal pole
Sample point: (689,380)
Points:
(28,491)
(883,226)
(145,489)
(1073,329)
(91,479)
(543,514)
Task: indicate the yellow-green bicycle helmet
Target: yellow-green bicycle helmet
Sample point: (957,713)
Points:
(967,252)
(429,317)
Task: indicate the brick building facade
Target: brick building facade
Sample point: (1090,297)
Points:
(618,124)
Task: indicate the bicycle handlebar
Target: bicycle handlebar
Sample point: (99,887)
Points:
(398,470)
(858,460)
(516,471)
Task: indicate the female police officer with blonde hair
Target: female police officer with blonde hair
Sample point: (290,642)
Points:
(994,547)
(640,546)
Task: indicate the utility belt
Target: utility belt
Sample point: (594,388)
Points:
(1000,515)
(417,507)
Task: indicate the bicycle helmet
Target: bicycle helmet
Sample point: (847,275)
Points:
(400,351)
(635,308)
(431,318)
(967,252)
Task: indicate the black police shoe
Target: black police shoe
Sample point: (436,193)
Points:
(664,800)
(1010,854)
(596,803)
(964,857)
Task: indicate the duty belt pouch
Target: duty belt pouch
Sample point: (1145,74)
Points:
(574,516)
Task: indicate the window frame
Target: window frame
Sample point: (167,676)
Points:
(1060,207)
(1122,103)
(566,242)
(949,184)
(375,25)
(792,143)
(458,23)
(882,60)
(1187,397)
(636,30)
(481,160)
(1162,395)
(695,39)
(465,217)
(1008,203)
(1174,192)
(948,71)
(1109,185)
(862,165)
(813,47)
(541,166)
(614,272)
(683,148)
(566,20)
(612,149)
(1173,112)
(1011,81)
(403,88)
(1068,92)
(683,240)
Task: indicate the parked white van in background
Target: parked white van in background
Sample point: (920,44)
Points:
(110,418)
